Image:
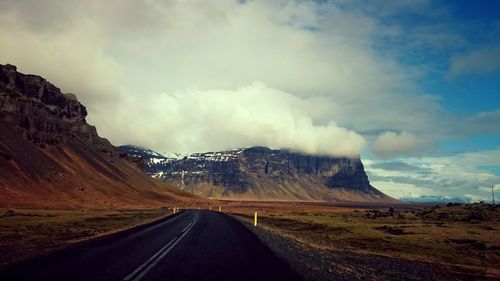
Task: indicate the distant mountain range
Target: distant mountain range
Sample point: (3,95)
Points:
(260,173)
(436,199)
(50,157)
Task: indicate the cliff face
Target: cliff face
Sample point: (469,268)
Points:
(40,111)
(279,164)
(263,173)
(51,157)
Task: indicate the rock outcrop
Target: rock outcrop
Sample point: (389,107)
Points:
(263,173)
(41,112)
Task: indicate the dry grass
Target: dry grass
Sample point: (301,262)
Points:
(457,237)
(27,233)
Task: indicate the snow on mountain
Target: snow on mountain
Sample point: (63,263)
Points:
(264,173)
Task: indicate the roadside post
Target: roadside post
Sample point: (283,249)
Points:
(255,219)
(493,195)
(220,209)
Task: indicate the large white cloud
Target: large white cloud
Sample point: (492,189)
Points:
(201,120)
(137,62)
(178,76)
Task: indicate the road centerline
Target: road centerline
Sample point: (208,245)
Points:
(143,269)
(187,226)
(149,260)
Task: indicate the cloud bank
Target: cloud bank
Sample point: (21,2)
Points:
(466,177)
(325,84)
(143,71)
(197,120)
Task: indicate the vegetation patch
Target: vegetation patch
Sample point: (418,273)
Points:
(471,242)
(394,230)
(459,237)
(27,233)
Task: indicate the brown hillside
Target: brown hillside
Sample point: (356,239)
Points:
(51,158)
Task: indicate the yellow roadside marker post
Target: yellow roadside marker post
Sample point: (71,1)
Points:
(220,209)
(255,219)
(210,207)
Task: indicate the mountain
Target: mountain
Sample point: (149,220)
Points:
(263,174)
(51,157)
(148,156)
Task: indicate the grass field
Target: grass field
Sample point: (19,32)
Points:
(465,237)
(27,233)
(458,238)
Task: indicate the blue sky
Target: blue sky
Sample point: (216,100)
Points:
(402,83)
(463,27)
(460,55)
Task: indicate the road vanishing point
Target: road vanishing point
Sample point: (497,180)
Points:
(191,245)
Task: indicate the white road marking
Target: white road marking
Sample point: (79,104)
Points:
(187,226)
(151,262)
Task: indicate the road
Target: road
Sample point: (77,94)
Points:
(192,245)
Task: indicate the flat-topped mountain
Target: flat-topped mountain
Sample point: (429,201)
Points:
(51,157)
(264,174)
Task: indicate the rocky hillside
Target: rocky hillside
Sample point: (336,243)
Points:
(51,157)
(264,174)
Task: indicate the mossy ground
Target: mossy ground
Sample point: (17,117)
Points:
(466,237)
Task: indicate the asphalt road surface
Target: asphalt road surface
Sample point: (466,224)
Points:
(193,245)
